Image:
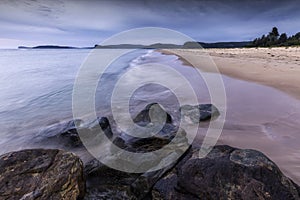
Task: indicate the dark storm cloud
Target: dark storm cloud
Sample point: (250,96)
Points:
(87,22)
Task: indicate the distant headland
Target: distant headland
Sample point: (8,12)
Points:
(53,47)
(152,46)
(273,39)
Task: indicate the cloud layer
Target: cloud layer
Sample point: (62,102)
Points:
(85,23)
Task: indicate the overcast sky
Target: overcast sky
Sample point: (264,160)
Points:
(85,23)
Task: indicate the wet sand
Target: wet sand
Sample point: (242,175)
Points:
(263,100)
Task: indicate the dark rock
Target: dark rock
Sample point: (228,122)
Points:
(120,142)
(159,124)
(159,140)
(105,125)
(106,183)
(202,112)
(66,135)
(226,173)
(63,134)
(152,111)
(58,128)
(70,138)
(41,174)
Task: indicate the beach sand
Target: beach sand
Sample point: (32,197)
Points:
(276,67)
(265,113)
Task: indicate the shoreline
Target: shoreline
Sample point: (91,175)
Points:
(277,67)
(263,107)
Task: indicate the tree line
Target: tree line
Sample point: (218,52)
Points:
(274,39)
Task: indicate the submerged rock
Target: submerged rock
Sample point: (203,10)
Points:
(65,135)
(226,173)
(159,140)
(155,112)
(104,124)
(41,174)
(202,112)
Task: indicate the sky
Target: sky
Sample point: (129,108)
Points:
(89,22)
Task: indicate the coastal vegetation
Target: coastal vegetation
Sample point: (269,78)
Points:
(275,39)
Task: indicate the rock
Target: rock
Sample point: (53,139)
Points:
(106,183)
(104,124)
(70,138)
(41,174)
(154,111)
(65,135)
(159,124)
(159,140)
(226,173)
(58,128)
(202,112)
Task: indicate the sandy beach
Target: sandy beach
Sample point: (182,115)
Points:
(263,107)
(276,67)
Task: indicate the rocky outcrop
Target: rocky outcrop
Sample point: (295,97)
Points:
(65,135)
(41,174)
(106,183)
(226,173)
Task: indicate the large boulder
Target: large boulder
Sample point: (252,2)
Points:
(226,173)
(41,174)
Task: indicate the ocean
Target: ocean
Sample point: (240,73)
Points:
(36,89)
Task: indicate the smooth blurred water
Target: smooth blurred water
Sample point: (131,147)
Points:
(36,90)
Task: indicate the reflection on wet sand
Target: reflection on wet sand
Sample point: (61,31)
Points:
(258,116)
